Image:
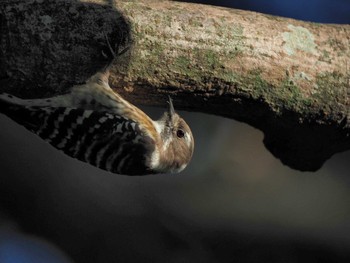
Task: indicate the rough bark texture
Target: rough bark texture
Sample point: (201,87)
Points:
(288,78)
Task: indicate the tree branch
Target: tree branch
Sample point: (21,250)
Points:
(288,78)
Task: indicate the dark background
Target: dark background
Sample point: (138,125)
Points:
(234,203)
(322,11)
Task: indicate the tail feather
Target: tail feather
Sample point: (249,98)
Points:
(8,103)
(9,99)
(16,109)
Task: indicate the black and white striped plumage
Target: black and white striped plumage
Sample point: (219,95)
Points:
(97,126)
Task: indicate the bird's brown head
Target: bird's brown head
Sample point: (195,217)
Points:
(177,141)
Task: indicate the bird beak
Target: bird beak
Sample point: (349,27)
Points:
(171,108)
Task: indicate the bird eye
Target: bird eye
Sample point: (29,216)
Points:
(180,133)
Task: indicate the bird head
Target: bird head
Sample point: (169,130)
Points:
(177,145)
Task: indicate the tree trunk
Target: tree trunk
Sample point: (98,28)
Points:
(288,78)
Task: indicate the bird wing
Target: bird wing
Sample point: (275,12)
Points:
(96,95)
(108,141)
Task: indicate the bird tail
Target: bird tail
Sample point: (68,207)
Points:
(8,103)
(16,109)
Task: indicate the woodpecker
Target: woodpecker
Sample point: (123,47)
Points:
(96,125)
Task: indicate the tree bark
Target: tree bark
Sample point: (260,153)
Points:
(288,78)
